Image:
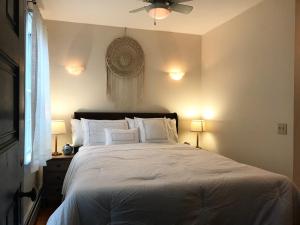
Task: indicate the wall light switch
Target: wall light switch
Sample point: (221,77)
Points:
(282,128)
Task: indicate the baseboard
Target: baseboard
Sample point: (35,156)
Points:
(31,219)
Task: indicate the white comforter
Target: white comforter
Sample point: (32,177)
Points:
(151,184)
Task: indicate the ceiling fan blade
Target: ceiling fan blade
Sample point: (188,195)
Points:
(179,1)
(139,9)
(185,9)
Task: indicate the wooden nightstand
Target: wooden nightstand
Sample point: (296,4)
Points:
(53,177)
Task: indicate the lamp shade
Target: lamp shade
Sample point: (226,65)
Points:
(58,127)
(197,125)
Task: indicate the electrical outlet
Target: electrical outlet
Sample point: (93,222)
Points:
(282,128)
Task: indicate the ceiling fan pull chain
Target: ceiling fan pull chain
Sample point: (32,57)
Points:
(154,18)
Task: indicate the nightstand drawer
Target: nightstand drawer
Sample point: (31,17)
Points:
(54,178)
(58,165)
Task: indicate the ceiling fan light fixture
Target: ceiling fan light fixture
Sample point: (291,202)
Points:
(159,13)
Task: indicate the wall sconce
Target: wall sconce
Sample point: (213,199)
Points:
(75,69)
(208,114)
(176,75)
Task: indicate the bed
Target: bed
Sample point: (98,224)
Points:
(170,184)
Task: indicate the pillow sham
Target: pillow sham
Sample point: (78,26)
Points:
(131,123)
(77,133)
(93,130)
(173,135)
(120,136)
(153,130)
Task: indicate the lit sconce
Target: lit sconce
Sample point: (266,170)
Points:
(75,69)
(208,114)
(176,75)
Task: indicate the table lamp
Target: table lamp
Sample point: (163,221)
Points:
(58,128)
(197,126)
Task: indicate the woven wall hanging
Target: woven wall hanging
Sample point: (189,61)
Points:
(125,67)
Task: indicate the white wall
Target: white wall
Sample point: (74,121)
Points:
(241,72)
(247,79)
(88,43)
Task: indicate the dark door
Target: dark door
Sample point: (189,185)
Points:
(11,109)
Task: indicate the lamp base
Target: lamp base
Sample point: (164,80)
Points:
(197,146)
(56,153)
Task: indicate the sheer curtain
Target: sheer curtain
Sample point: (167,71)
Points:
(28,84)
(41,113)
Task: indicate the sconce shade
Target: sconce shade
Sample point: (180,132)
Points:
(176,75)
(197,125)
(58,127)
(75,69)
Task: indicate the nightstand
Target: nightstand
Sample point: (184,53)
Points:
(53,178)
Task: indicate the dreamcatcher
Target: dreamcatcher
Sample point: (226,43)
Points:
(125,71)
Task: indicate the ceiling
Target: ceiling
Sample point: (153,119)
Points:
(207,14)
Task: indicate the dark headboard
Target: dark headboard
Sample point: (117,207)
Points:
(122,115)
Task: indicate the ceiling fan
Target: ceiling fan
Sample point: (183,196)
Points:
(161,9)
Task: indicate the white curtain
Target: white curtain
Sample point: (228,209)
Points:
(28,104)
(41,113)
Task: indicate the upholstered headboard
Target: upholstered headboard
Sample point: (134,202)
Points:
(122,115)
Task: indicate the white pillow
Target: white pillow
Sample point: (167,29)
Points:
(153,130)
(93,130)
(131,123)
(118,136)
(172,129)
(77,132)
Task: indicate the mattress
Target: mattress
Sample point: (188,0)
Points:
(163,184)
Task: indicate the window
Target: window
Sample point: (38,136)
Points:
(28,75)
